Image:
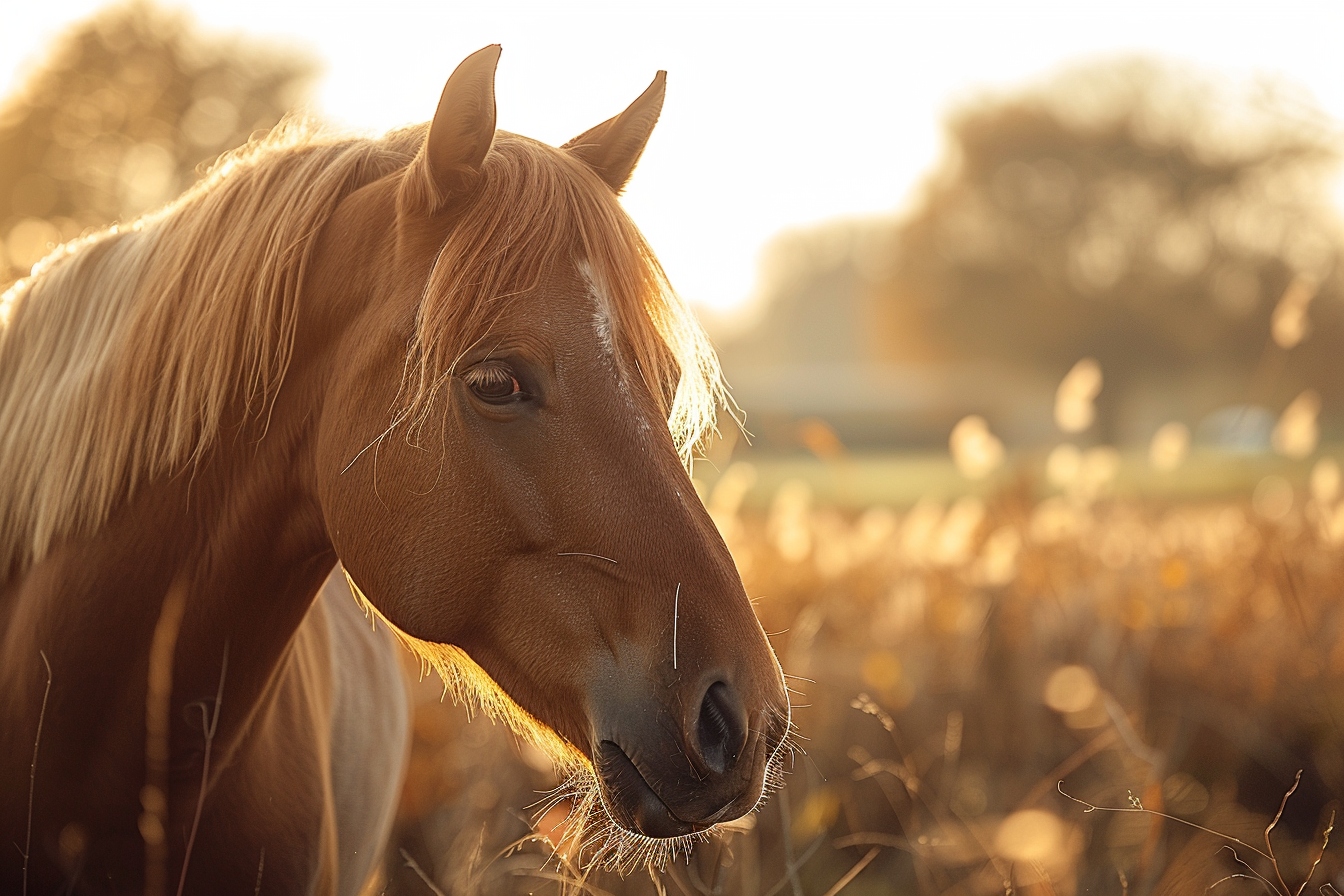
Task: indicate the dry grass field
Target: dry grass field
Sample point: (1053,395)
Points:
(1058,685)
(1083,671)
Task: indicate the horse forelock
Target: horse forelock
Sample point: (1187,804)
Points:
(535,207)
(122,353)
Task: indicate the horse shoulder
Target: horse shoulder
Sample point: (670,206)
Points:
(370,730)
(320,776)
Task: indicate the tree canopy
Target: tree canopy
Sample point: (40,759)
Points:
(1131,211)
(1136,212)
(122,114)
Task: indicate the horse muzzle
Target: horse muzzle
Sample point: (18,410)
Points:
(662,779)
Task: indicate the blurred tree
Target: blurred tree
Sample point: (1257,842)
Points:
(1133,212)
(123,114)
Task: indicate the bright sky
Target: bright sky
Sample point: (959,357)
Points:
(777,115)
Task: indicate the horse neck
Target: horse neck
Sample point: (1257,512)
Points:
(238,540)
(252,549)
(238,535)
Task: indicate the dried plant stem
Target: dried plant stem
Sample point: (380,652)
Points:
(1325,843)
(786,833)
(1251,873)
(791,872)
(1269,829)
(32,772)
(875,838)
(158,708)
(583,886)
(1089,807)
(1267,853)
(1076,761)
(657,884)
(571,878)
(420,873)
(706,887)
(853,872)
(210,723)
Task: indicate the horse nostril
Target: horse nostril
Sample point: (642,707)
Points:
(720,730)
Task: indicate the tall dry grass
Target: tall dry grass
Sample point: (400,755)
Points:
(972,677)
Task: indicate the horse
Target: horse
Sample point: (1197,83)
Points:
(444,358)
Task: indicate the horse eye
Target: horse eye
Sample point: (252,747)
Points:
(494,382)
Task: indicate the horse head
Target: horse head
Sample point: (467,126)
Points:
(501,462)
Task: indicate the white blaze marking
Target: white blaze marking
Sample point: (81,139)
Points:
(602,316)
(602,323)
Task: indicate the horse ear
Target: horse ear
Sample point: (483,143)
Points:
(460,134)
(613,148)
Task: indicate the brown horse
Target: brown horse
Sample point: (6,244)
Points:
(444,357)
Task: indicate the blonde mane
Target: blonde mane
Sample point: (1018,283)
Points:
(122,352)
(125,353)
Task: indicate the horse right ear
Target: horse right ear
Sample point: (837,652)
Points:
(613,147)
(460,135)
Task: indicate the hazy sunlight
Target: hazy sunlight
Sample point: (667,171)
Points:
(777,115)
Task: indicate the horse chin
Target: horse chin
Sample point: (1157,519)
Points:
(624,836)
(637,809)
(632,804)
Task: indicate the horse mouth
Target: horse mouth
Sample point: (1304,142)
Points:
(632,803)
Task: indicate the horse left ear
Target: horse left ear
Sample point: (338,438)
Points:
(460,134)
(613,148)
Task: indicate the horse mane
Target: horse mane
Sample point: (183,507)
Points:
(122,353)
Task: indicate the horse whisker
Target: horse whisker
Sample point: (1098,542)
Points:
(376,440)
(676,601)
(584,554)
